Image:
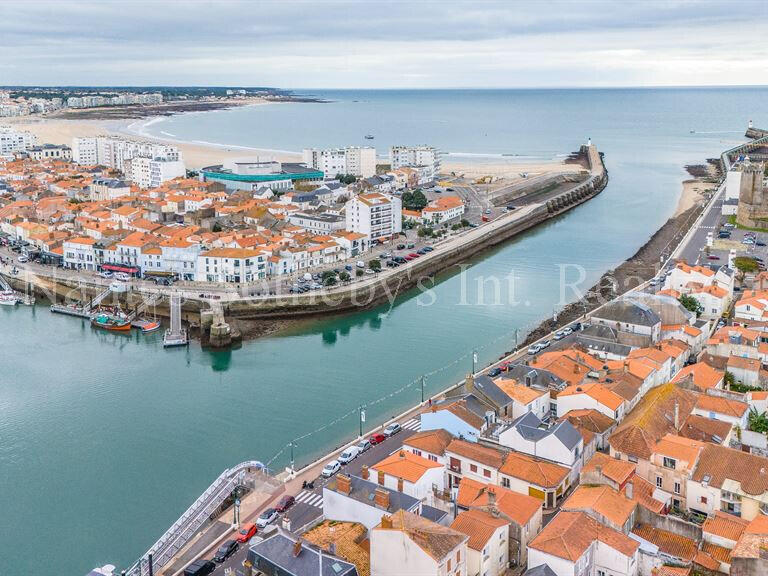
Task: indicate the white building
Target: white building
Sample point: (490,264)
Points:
(488,545)
(152,172)
(355,160)
(378,216)
(108,189)
(12,140)
(414,475)
(405,543)
(561,443)
(50,152)
(114,152)
(416,156)
(234,265)
(80,253)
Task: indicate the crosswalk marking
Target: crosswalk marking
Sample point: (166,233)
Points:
(412,424)
(310,498)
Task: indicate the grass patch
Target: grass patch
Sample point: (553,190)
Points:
(732,220)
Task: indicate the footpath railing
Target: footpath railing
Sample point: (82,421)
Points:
(177,536)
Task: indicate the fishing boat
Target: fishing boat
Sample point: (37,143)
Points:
(8,298)
(110,322)
(150,327)
(369,136)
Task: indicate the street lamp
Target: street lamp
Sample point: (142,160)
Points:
(362,419)
(474,361)
(293,443)
(422,389)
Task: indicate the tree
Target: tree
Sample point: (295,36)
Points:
(729,380)
(375,265)
(690,303)
(758,422)
(464,222)
(216,227)
(414,200)
(328,274)
(346,178)
(745,264)
(358,272)
(344,276)
(329,280)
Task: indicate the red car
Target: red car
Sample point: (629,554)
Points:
(414,255)
(504,366)
(377,439)
(285,503)
(247,531)
(409,257)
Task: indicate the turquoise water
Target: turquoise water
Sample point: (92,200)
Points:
(105,439)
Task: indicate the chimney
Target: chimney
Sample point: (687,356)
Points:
(677,415)
(470,383)
(626,366)
(575,368)
(630,490)
(343,484)
(491,497)
(386,521)
(297,548)
(381,499)
(364,472)
(332,548)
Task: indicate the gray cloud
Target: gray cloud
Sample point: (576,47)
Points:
(381,44)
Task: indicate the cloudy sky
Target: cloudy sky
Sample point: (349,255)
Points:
(381,44)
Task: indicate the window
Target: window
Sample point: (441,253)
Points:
(703,499)
(458,556)
(677,487)
(505,482)
(486,473)
(449,564)
(632,459)
(669,463)
(659,481)
(472,468)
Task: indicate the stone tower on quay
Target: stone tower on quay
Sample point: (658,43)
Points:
(753,198)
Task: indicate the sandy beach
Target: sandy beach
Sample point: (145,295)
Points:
(61,131)
(693,193)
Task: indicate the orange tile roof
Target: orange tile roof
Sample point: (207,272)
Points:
(596,391)
(483,454)
(519,508)
(603,500)
(669,543)
(591,419)
(405,465)
(721,464)
(346,538)
(680,448)
(720,405)
(705,429)
(436,540)
(534,470)
(570,534)
(702,374)
(742,363)
(480,526)
(519,392)
(702,558)
(618,471)
(759,525)
(642,493)
(236,253)
(725,525)
(432,441)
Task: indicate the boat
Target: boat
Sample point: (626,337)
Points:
(369,136)
(150,327)
(8,298)
(110,322)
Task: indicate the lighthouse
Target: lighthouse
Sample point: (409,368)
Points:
(749,125)
(589,140)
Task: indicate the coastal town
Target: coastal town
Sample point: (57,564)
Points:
(631,442)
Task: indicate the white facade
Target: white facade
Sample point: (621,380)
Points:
(151,173)
(379,216)
(114,152)
(80,254)
(493,559)
(414,156)
(393,553)
(422,488)
(355,160)
(12,140)
(231,265)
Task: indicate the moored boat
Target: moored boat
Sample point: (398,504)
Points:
(150,327)
(8,298)
(110,322)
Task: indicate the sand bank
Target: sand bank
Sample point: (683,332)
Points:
(692,194)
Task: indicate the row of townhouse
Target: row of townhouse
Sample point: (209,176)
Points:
(438,211)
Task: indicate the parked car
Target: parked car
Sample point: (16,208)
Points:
(225,551)
(364,445)
(421,252)
(348,455)
(348,267)
(23,258)
(535,349)
(410,257)
(122,276)
(200,568)
(559,335)
(285,503)
(392,429)
(544,344)
(105,274)
(377,438)
(401,246)
(428,249)
(360,264)
(487,211)
(567,330)
(414,255)
(369,271)
(410,245)
(713,257)
(504,366)
(331,468)
(729,225)
(493,372)
(266,518)
(759,243)
(247,531)
(392,264)
(510,208)
(385,255)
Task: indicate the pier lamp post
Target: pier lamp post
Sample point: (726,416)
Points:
(474,361)
(422,389)
(362,419)
(293,443)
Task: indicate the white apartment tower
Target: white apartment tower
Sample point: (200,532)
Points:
(379,216)
(114,152)
(355,160)
(152,172)
(12,140)
(413,156)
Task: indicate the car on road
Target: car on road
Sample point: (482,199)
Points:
(364,446)
(713,257)
(759,243)
(200,568)
(266,518)
(428,249)
(331,468)
(348,267)
(392,429)
(225,551)
(285,503)
(535,349)
(747,241)
(122,276)
(729,225)
(105,274)
(349,454)
(559,335)
(544,344)
(410,245)
(567,330)
(510,208)
(495,371)
(377,438)
(23,258)
(401,246)
(247,531)
(487,211)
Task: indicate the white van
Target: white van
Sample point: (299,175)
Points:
(349,454)
(360,264)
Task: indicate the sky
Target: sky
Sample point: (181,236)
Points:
(381,44)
